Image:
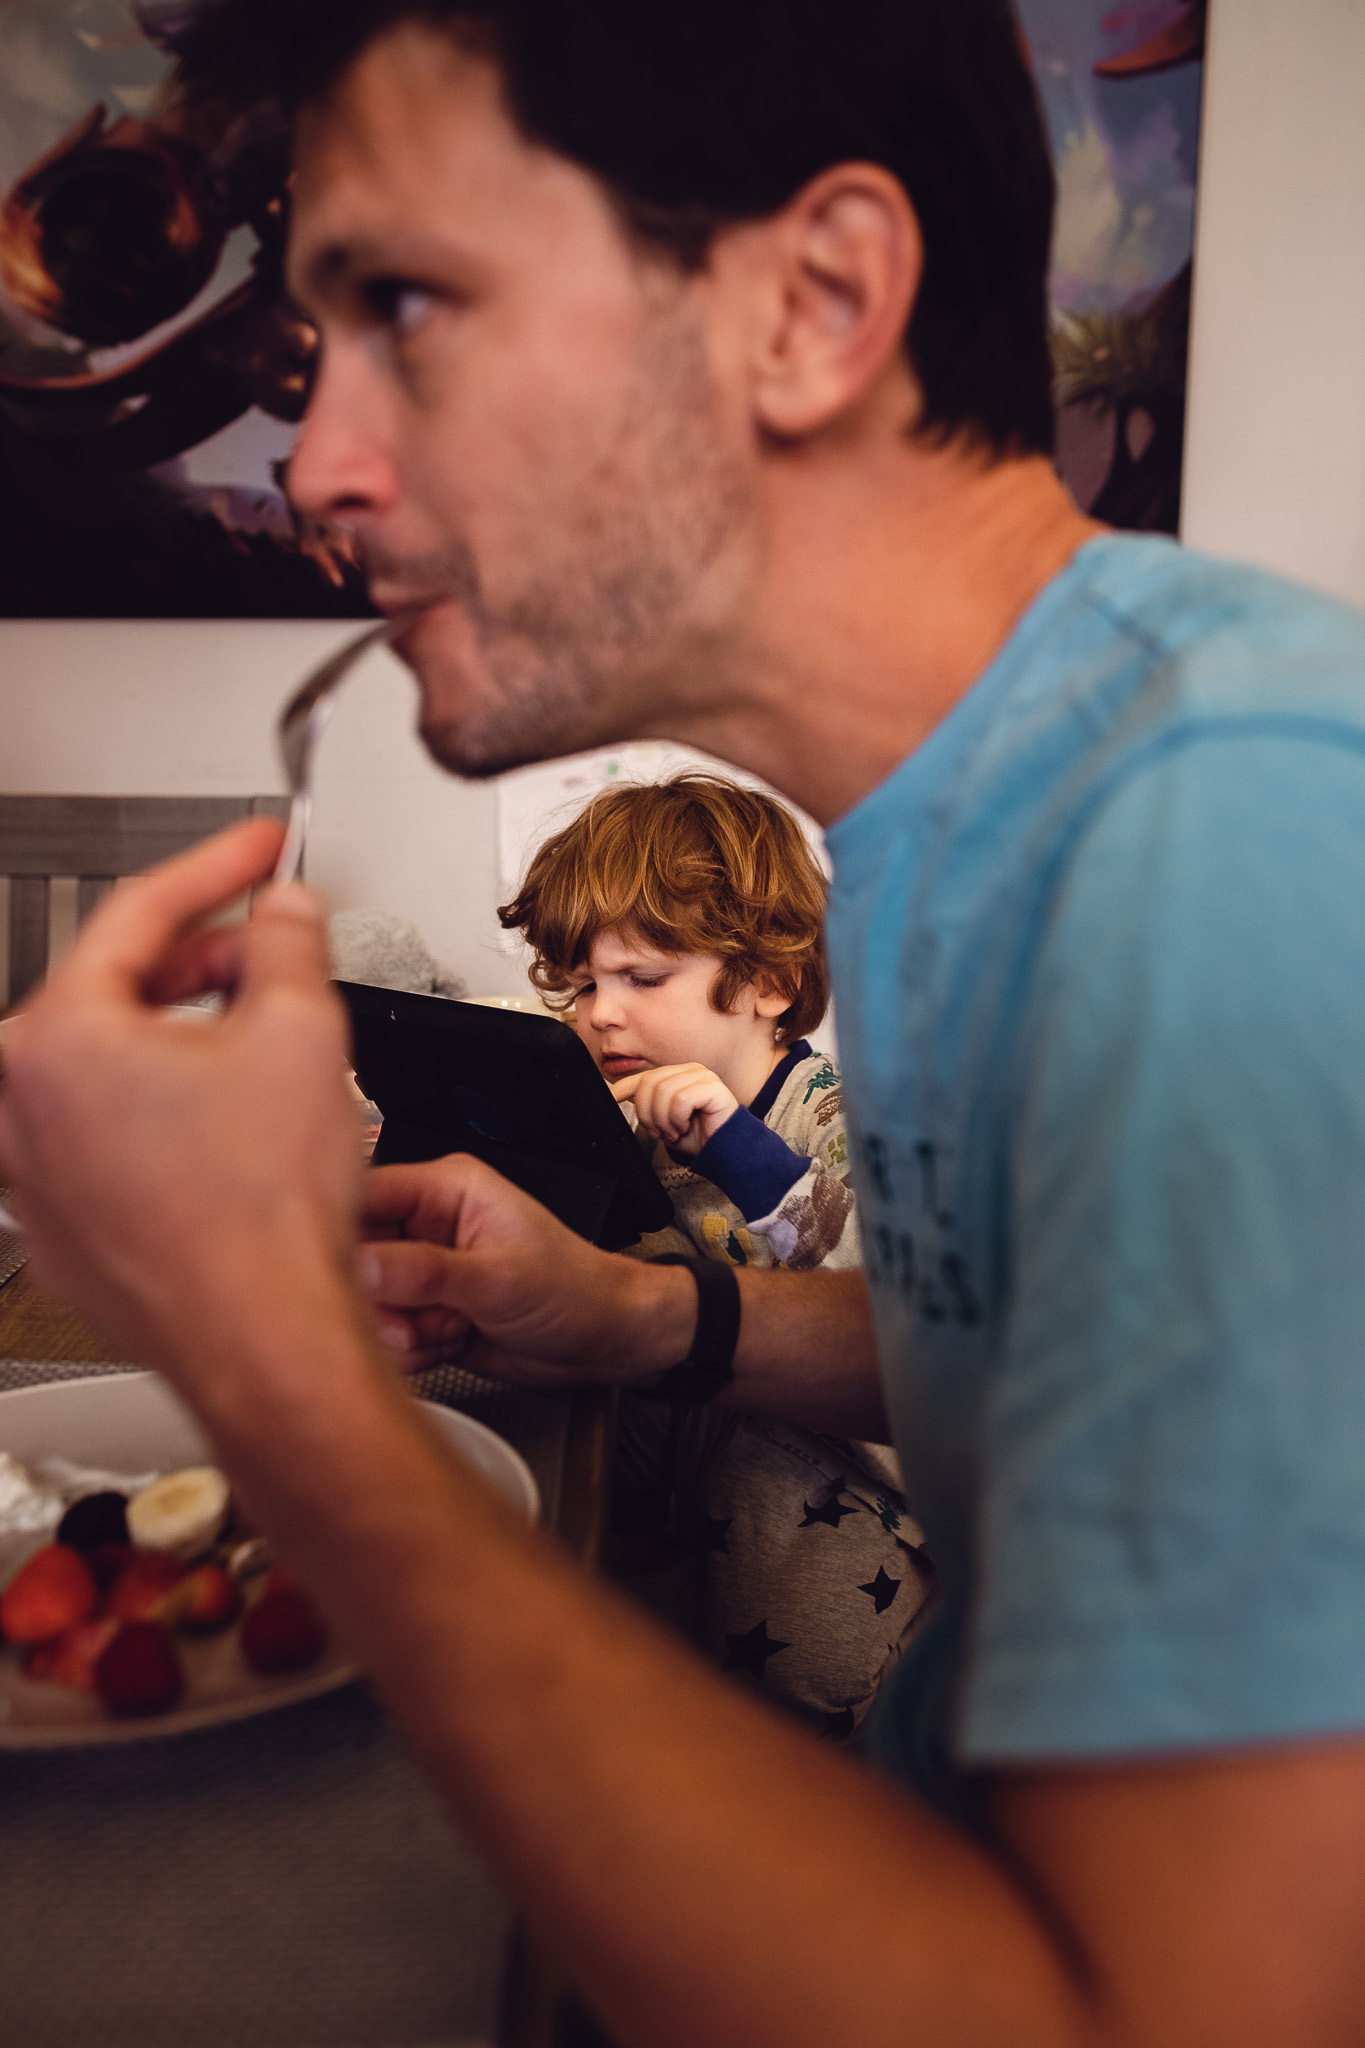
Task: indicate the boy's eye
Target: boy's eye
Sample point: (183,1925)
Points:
(585,988)
(648,980)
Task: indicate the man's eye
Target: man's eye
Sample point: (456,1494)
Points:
(410,309)
(402,307)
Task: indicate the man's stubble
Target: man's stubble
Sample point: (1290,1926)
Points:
(603,640)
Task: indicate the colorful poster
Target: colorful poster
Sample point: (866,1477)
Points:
(1121,89)
(151,371)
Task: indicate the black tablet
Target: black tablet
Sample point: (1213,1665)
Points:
(520,1092)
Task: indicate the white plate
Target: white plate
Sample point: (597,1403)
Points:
(132,1422)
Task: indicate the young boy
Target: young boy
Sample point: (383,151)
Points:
(682,922)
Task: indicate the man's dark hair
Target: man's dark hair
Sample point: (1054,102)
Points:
(699,113)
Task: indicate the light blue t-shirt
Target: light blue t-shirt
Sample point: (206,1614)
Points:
(1099,958)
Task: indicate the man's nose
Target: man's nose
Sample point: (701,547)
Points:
(343,468)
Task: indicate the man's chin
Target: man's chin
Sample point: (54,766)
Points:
(477,733)
(458,747)
(482,715)
(458,724)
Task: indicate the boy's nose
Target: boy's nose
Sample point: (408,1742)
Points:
(606,1010)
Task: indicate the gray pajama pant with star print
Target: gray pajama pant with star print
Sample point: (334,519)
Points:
(814,1574)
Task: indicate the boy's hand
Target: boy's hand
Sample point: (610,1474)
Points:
(683,1105)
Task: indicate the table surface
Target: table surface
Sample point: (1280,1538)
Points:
(284,1882)
(33,1327)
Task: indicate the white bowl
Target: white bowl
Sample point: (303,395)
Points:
(132,1422)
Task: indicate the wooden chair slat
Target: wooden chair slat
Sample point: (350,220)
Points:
(113,835)
(91,891)
(27,933)
(95,839)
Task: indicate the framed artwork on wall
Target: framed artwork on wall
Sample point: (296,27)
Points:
(152,371)
(1121,87)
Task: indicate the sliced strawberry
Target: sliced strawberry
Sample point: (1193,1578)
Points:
(207,1600)
(48,1594)
(148,1588)
(139,1671)
(283,1631)
(70,1658)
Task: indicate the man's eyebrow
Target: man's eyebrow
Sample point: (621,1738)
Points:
(336,262)
(325,271)
(329,266)
(340,261)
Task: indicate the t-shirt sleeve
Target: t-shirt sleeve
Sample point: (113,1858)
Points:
(1171,1541)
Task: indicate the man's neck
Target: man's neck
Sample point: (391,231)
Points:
(889,587)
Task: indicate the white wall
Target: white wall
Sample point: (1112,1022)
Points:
(151,710)
(1275,455)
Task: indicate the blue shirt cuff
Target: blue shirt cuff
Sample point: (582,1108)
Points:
(750,1164)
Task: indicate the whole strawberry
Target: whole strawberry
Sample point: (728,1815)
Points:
(283,1631)
(48,1594)
(139,1672)
(107,1560)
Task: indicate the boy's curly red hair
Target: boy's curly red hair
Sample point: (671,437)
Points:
(694,865)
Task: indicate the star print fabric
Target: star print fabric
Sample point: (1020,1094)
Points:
(821,1576)
(813,1574)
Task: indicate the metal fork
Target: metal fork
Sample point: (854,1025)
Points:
(301,727)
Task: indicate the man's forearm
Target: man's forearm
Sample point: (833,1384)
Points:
(807,1353)
(481,1266)
(706,1874)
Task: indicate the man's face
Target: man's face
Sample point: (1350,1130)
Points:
(517,416)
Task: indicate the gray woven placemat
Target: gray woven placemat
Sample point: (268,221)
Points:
(12,1254)
(286,1882)
(34,1372)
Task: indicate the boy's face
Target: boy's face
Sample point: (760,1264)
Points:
(638,1008)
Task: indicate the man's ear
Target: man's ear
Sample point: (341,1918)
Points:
(837,273)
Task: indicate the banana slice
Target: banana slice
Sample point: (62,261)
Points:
(182,1511)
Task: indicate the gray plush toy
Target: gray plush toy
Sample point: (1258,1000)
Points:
(374,947)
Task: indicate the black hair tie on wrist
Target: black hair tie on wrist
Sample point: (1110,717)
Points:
(710,1364)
